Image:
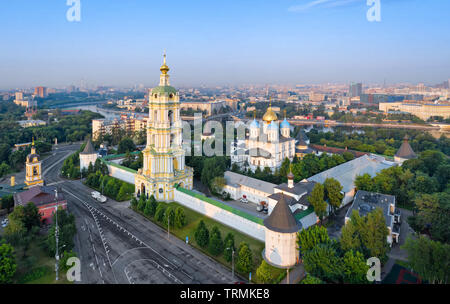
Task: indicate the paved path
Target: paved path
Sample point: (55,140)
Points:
(295,275)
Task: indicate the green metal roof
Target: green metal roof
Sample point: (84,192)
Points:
(298,216)
(222,206)
(113,156)
(164,89)
(118,166)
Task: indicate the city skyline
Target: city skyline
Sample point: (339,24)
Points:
(288,42)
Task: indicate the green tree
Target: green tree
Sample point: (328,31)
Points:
(134,202)
(7,263)
(201,234)
(160,211)
(31,216)
(228,247)
(430,259)
(126,145)
(217,184)
(309,279)
(66,232)
(215,242)
(375,235)
(366,234)
(245,258)
(169,216)
(147,208)
(333,194)
(309,238)
(354,268)
(322,261)
(316,199)
(364,182)
(263,273)
(16,228)
(141,203)
(180,218)
(66,255)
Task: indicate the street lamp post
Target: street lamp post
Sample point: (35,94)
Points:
(232,262)
(168,226)
(56,236)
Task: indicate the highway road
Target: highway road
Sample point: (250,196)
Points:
(116,245)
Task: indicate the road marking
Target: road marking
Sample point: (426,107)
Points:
(98,227)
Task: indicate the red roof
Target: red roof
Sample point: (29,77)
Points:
(38,195)
(334,150)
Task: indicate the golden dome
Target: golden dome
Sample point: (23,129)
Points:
(270,115)
(164,68)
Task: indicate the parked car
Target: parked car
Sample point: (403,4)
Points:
(102,199)
(259,207)
(244,200)
(95,194)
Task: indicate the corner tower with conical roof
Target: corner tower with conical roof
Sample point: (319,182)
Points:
(164,163)
(33,173)
(88,155)
(281,235)
(405,151)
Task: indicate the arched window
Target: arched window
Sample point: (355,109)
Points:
(170,116)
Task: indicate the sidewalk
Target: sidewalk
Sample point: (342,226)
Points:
(295,275)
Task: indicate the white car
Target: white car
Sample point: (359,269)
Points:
(95,194)
(244,200)
(101,198)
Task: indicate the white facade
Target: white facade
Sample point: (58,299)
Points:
(223,216)
(267,145)
(281,248)
(86,159)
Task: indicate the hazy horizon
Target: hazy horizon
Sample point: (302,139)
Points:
(121,43)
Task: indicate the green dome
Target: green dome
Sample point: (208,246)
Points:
(164,89)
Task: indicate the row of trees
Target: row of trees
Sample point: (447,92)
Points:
(66,128)
(23,228)
(212,241)
(13,161)
(132,161)
(422,184)
(332,261)
(110,186)
(380,141)
(324,195)
(66,232)
(160,212)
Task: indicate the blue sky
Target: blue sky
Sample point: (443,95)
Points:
(211,42)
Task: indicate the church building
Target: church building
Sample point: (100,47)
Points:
(164,164)
(267,145)
(33,167)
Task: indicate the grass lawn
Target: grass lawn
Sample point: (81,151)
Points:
(36,261)
(193,218)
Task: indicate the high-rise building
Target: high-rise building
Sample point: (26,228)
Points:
(19,96)
(164,157)
(41,92)
(355,89)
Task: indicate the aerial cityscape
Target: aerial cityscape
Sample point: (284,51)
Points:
(289,142)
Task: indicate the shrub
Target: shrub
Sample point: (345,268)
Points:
(201,234)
